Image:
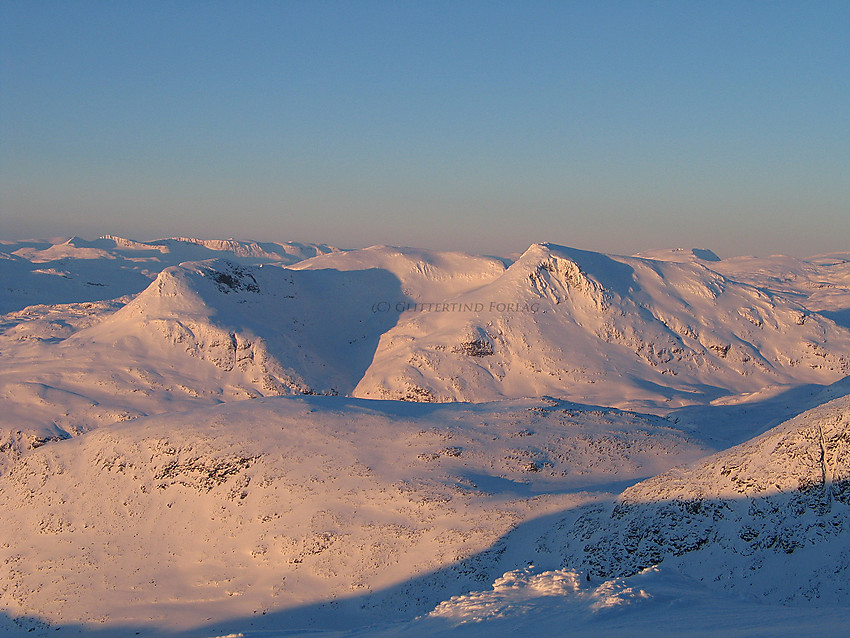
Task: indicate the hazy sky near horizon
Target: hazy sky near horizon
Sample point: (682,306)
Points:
(480,126)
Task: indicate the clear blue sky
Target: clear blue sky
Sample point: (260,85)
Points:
(485,126)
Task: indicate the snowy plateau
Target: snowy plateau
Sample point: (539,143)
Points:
(206,438)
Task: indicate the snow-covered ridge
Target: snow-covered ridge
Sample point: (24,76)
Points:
(281,252)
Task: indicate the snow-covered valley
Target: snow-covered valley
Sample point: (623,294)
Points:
(204,437)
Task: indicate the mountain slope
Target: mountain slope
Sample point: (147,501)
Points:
(769,518)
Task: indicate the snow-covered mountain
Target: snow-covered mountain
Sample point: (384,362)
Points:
(593,327)
(224,392)
(396,323)
(290,331)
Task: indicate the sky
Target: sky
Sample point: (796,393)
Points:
(464,125)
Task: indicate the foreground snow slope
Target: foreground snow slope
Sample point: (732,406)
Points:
(270,505)
(326,513)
